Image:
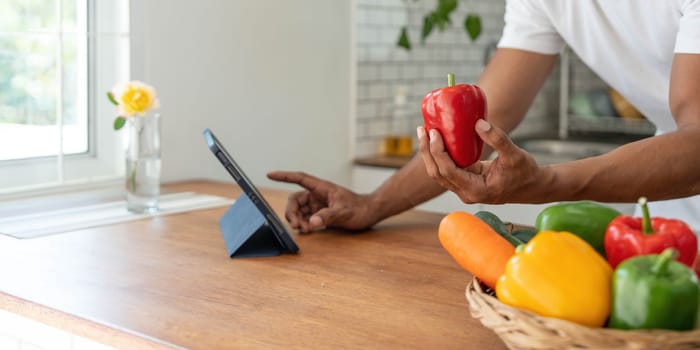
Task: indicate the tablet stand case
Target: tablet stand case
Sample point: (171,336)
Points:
(246,231)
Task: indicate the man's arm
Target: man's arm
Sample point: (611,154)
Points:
(510,81)
(660,167)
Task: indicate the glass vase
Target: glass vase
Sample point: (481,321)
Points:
(143,163)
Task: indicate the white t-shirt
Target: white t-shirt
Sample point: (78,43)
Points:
(630,45)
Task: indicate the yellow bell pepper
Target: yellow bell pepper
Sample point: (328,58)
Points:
(558,274)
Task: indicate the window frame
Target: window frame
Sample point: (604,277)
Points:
(104,146)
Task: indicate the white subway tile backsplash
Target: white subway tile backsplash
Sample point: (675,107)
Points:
(361,129)
(389,72)
(400,56)
(400,4)
(428,86)
(366,110)
(439,54)
(377,16)
(380,127)
(389,38)
(410,71)
(362,55)
(420,53)
(380,53)
(415,20)
(362,91)
(437,70)
(379,90)
(383,108)
(364,33)
(362,16)
(366,147)
(367,72)
(398,18)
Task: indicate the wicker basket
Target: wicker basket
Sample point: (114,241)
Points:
(521,329)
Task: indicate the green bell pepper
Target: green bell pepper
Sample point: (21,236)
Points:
(654,292)
(586,219)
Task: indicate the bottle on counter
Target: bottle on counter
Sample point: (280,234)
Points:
(399,141)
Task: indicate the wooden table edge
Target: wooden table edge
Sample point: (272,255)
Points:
(110,335)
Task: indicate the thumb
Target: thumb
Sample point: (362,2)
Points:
(323,218)
(496,138)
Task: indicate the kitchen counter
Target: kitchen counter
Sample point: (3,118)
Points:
(383,161)
(168,282)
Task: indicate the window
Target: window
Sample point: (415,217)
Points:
(57,59)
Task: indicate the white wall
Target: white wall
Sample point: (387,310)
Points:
(270,78)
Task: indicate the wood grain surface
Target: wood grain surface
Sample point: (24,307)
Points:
(167,282)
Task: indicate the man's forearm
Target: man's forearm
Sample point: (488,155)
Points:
(407,188)
(660,167)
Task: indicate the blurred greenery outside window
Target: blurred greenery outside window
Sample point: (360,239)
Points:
(57,58)
(44,68)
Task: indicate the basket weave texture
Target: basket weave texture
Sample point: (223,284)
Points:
(521,329)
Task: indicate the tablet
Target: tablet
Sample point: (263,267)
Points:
(272,221)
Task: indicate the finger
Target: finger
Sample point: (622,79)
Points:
(304,227)
(446,168)
(316,223)
(478,167)
(323,218)
(497,139)
(424,149)
(452,177)
(293,212)
(437,149)
(302,179)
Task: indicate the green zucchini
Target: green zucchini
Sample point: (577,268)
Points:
(502,228)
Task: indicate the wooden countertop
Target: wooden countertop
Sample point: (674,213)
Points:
(167,282)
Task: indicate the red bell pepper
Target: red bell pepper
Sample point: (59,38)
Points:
(454,111)
(627,236)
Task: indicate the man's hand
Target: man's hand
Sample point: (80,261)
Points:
(324,204)
(512,177)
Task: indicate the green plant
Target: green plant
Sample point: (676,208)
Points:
(440,17)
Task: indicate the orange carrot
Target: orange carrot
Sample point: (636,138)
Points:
(475,246)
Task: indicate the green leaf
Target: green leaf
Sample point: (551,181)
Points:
(403,39)
(427,27)
(442,13)
(473,26)
(447,6)
(111,98)
(442,23)
(119,123)
(441,19)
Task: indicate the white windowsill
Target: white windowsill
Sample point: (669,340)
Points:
(54,189)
